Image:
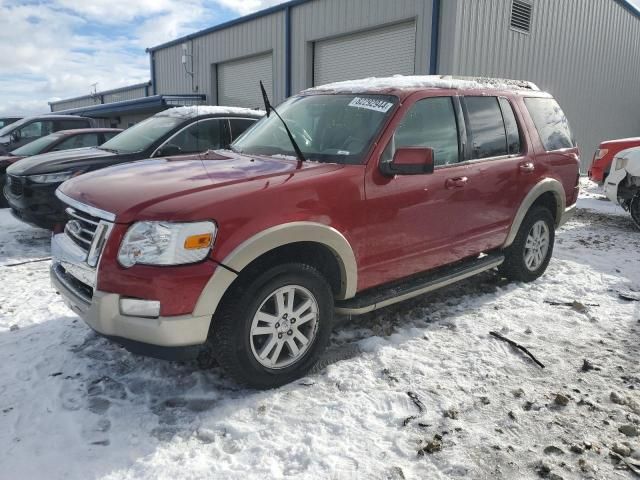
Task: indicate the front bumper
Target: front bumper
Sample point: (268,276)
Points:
(612,183)
(141,335)
(162,336)
(34,203)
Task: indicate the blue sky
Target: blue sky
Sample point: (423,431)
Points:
(52,49)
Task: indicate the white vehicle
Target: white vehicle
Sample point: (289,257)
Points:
(622,186)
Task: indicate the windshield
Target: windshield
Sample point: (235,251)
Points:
(12,126)
(142,135)
(37,146)
(328,128)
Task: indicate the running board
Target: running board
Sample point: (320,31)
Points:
(379,297)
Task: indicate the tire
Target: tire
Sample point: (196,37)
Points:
(634,210)
(519,264)
(256,313)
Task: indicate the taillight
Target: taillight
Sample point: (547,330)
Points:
(601,152)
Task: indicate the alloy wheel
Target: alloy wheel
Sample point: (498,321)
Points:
(536,245)
(284,327)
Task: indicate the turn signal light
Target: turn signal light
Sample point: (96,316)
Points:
(196,242)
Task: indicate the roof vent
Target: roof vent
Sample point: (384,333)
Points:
(521,16)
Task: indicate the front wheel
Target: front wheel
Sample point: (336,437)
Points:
(272,328)
(529,255)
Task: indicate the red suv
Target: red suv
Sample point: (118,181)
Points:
(602,159)
(395,187)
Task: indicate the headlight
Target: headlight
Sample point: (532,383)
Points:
(621,163)
(165,243)
(52,177)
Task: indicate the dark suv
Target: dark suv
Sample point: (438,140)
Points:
(28,129)
(31,183)
(64,140)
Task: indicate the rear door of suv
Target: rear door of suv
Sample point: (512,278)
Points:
(501,170)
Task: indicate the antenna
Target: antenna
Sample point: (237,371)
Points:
(94,91)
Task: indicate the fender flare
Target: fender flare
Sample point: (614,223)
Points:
(547,185)
(269,239)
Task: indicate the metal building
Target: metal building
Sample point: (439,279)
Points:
(123,107)
(582,51)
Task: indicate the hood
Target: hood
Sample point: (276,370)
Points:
(57,161)
(143,184)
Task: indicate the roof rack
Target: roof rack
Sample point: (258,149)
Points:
(401,82)
(494,82)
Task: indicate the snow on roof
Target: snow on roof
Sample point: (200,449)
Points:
(196,110)
(401,82)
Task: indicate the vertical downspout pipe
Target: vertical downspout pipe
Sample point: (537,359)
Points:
(152,65)
(287,46)
(435,37)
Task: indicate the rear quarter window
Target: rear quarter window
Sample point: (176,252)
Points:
(551,123)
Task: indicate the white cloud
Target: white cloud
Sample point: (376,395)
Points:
(58,49)
(244,7)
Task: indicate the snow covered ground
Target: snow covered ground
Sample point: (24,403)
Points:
(420,390)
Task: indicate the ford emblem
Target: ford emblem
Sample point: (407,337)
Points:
(74,227)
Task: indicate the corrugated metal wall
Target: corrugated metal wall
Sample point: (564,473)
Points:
(322,19)
(108,96)
(584,52)
(261,35)
(310,22)
(122,95)
(75,103)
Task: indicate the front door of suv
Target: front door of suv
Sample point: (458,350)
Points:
(415,221)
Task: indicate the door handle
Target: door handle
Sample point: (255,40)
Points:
(458,182)
(527,167)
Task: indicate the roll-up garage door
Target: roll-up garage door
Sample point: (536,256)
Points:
(238,81)
(374,53)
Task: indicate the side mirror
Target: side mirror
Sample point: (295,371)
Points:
(168,150)
(15,136)
(409,161)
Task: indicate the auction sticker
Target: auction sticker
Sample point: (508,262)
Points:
(371,104)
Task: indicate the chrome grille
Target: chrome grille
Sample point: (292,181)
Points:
(15,186)
(81,228)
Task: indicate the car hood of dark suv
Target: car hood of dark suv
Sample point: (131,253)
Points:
(159,188)
(53,162)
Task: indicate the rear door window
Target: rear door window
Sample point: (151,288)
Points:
(551,123)
(36,129)
(487,127)
(78,141)
(511,126)
(239,126)
(429,123)
(200,136)
(71,124)
(109,135)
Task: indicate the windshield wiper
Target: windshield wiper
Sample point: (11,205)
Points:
(112,150)
(268,108)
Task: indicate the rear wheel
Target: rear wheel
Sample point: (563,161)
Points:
(272,328)
(529,255)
